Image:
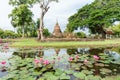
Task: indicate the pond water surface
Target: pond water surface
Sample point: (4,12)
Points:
(97,67)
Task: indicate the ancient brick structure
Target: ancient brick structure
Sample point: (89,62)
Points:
(108,33)
(57,31)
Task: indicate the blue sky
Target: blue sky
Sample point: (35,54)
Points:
(60,11)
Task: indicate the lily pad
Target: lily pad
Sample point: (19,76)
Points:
(105,70)
(79,75)
(91,77)
(69,71)
(58,72)
(99,64)
(64,77)
(87,72)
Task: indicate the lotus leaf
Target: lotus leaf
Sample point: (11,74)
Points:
(91,77)
(99,64)
(77,69)
(64,77)
(69,71)
(87,72)
(58,72)
(79,75)
(36,73)
(105,70)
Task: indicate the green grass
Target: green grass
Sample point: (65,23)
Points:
(31,42)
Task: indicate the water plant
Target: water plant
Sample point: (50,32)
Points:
(63,67)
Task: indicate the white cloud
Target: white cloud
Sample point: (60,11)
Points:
(5,9)
(61,10)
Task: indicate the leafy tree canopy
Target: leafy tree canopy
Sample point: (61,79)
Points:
(116,29)
(21,15)
(19,2)
(96,16)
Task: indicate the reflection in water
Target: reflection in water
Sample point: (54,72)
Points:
(114,54)
(40,53)
(57,50)
(51,51)
(72,51)
(62,62)
(3,74)
(83,50)
(96,50)
(63,54)
(5,54)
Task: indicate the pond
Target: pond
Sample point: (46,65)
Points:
(58,63)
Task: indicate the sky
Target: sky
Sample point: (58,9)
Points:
(60,11)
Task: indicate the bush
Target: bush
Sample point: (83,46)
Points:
(8,34)
(80,35)
(46,32)
(1,32)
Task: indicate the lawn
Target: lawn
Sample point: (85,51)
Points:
(32,42)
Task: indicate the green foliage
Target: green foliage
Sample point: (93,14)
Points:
(8,34)
(80,34)
(95,16)
(80,75)
(116,29)
(25,68)
(46,32)
(30,30)
(21,15)
(1,32)
(19,2)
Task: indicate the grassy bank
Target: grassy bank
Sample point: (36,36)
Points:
(31,42)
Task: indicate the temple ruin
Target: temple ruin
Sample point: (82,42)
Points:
(57,31)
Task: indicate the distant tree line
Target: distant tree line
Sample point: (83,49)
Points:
(8,34)
(96,17)
(21,17)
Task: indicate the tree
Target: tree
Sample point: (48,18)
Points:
(19,2)
(30,30)
(44,5)
(80,34)
(96,16)
(8,34)
(116,29)
(1,32)
(46,32)
(21,17)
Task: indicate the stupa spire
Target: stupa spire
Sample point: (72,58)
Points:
(57,22)
(57,31)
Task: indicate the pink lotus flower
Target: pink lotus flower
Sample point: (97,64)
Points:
(53,61)
(6,46)
(95,57)
(41,60)
(76,56)
(58,58)
(0,40)
(70,58)
(86,61)
(3,62)
(46,62)
(36,61)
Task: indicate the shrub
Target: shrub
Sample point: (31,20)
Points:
(8,34)
(80,35)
